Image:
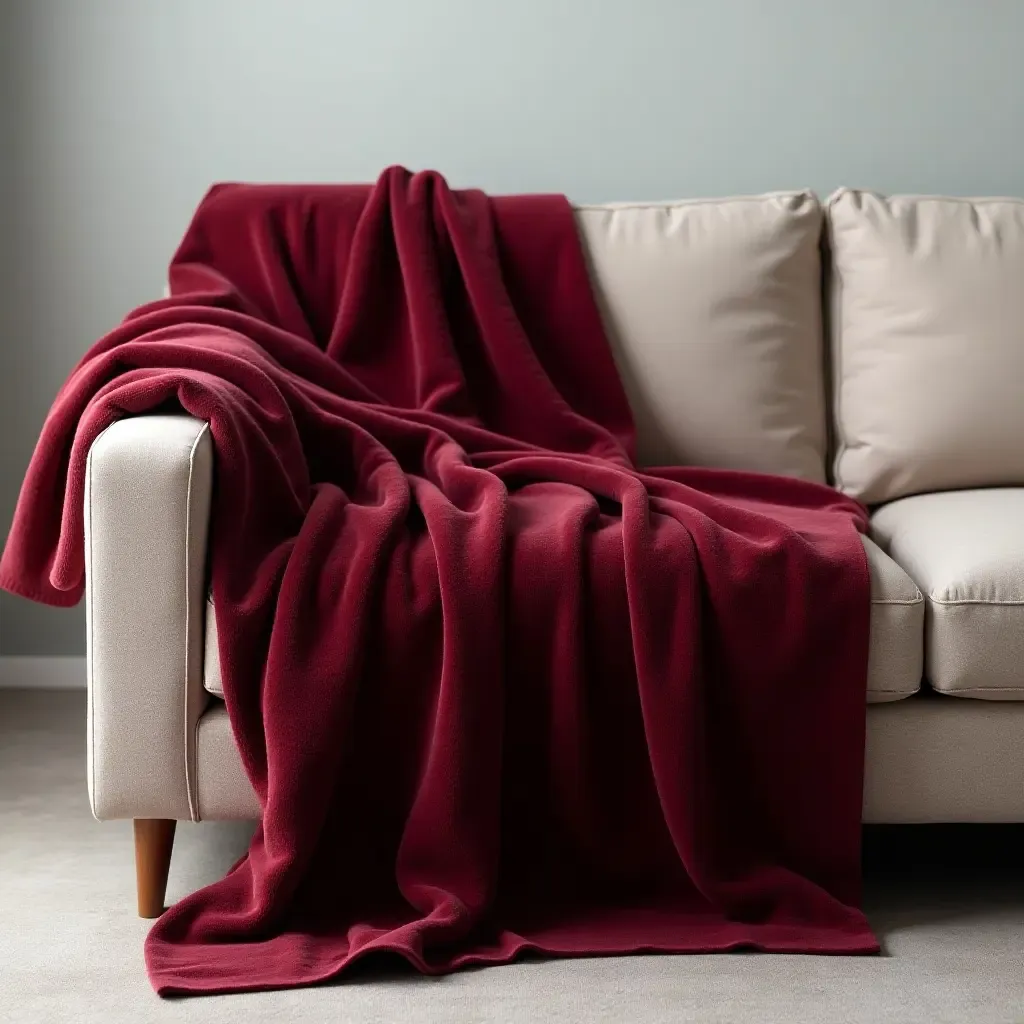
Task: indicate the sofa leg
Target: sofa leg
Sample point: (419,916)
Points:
(154,839)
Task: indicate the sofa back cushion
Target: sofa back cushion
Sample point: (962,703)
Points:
(713,312)
(927,343)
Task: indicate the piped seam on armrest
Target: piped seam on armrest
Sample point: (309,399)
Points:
(191,762)
(90,606)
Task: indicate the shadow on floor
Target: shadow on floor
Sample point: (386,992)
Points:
(923,875)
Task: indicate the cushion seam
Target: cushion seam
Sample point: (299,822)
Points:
(953,602)
(979,689)
(834,197)
(763,198)
(871,689)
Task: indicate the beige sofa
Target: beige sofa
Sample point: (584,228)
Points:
(874,343)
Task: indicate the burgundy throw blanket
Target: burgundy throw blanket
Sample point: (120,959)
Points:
(497,689)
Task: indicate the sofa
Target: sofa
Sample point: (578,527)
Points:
(873,344)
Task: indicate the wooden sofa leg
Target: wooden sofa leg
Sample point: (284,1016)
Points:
(154,839)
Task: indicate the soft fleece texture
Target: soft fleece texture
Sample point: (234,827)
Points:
(497,689)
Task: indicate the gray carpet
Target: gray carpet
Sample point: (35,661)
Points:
(948,905)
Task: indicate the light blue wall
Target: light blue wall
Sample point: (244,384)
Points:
(118,114)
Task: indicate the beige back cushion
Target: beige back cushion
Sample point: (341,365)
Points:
(927,343)
(713,311)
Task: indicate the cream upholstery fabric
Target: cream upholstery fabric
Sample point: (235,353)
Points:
(713,311)
(928,759)
(927,343)
(931,759)
(146,512)
(896,653)
(223,792)
(965,550)
(212,679)
(897,633)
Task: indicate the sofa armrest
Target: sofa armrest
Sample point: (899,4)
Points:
(147,508)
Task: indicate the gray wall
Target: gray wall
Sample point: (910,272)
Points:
(119,113)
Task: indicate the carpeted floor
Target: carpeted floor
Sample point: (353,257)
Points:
(948,904)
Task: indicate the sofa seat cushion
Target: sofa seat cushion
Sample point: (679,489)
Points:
(894,659)
(965,550)
(712,309)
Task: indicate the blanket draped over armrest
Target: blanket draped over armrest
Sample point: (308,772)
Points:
(497,689)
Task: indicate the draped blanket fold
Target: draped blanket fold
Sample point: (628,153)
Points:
(497,689)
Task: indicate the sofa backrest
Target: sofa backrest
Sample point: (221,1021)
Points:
(713,312)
